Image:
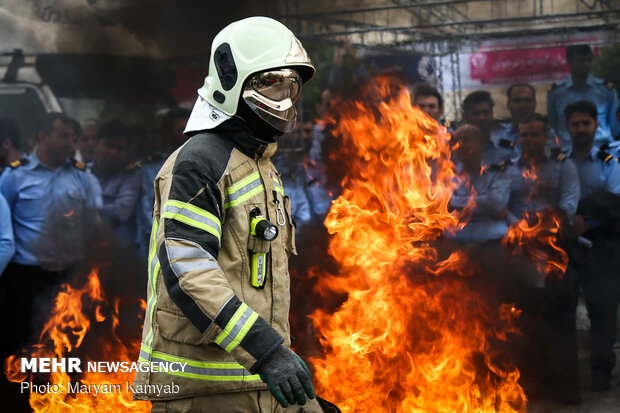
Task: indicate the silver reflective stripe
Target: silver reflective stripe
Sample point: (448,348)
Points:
(144,355)
(237,327)
(188,253)
(205,371)
(181,267)
(242,191)
(154,262)
(199,220)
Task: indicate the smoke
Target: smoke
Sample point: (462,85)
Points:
(68,27)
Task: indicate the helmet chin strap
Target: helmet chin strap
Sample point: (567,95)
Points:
(262,130)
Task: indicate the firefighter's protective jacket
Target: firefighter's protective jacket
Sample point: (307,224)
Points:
(201,308)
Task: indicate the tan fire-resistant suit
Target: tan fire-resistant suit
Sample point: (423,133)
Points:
(201,308)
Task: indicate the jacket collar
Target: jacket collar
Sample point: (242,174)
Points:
(244,139)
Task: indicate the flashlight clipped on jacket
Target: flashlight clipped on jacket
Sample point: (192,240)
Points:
(262,230)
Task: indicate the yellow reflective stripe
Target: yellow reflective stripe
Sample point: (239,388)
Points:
(280,189)
(245,197)
(202,370)
(231,323)
(193,216)
(243,332)
(242,183)
(196,210)
(237,328)
(152,273)
(192,223)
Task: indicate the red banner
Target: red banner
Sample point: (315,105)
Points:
(511,66)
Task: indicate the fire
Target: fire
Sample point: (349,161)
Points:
(537,237)
(412,335)
(530,174)
(75,309)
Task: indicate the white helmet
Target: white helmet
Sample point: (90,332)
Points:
(262,60)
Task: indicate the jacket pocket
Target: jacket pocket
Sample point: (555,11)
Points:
(179,329)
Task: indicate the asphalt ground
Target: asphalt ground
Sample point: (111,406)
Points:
(593,402)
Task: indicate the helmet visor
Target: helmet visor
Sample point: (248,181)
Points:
(272,94)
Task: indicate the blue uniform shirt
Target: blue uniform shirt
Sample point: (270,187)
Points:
(598,171)
(319,197)
(120,194)
(294,181)
(596,90)
(505,136)
(148,172)
(50,211)
(502,147)
(492,189)
(555,184)
(7,241)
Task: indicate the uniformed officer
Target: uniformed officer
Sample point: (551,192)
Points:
(7,249)
(87,140)
(9,142)
(7,240)
(290,163)
(583,86)
(319,196)
(430,101)
(170,138)
(119,181)
(599,174)
(53,200)
(546,179)
(521,103)
(489,186)
(549,181)
(478,111)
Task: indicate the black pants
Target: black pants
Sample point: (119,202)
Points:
(559,314)
(27,296)
(600,275)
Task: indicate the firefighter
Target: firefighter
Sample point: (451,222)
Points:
(218,290)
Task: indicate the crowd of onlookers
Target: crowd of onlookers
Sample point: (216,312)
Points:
(529,167)
(91,174)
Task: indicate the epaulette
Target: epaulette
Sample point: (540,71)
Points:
(80,165)
(133,166)
(156,157)
(505,143)
(556,152)
(609,85)
(19,163)
(604,156)
(501,166)
(560,157)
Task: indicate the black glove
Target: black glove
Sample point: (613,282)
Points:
(287,377)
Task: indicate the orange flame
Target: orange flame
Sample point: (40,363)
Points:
(530,174)
(64,332)
(410,336)
(536,236)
